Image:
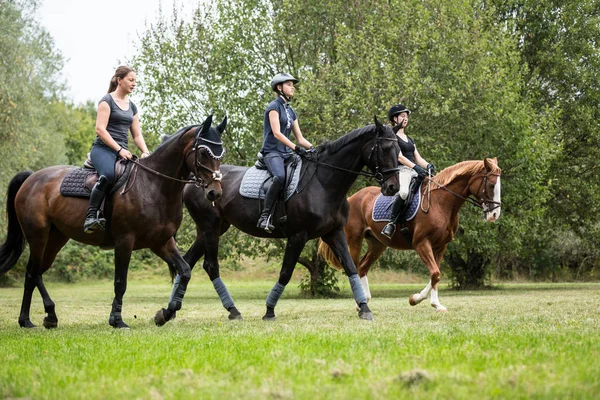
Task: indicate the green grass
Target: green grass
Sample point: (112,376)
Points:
(516,342)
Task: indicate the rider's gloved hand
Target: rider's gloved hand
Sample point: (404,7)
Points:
(300,151)
(420,170)
(431,169)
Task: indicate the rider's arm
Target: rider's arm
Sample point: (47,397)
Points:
(276,129)
(102,123)
(420,160)
(405,161)
(299,138)
(136,133)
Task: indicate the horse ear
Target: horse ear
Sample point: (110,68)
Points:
(222,125)
(487,163)
(377,123)
(206,125)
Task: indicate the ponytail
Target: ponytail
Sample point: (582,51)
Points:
(120,72)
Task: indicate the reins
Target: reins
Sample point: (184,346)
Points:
(468,199)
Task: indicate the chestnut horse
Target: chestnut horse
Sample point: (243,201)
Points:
(433,227)
(145,214)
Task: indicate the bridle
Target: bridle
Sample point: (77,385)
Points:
(471,200)
(379,175)
(197,181)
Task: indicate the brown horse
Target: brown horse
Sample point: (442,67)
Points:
(433,227)
(146,214)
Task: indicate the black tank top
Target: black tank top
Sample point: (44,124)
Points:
(407,148)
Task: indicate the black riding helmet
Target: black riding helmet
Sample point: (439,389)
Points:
(397,109)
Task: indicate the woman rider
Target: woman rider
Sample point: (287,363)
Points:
(116,116)
(280,120)
(412,164)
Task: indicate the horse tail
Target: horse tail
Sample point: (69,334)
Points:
(327,254)
(14,245)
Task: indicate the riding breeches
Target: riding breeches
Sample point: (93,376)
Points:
(104,159)
(405,175)
(276,165)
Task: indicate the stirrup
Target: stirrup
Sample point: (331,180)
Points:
(265,223)
(90,225)
(389,230)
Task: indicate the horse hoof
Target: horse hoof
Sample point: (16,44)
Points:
(27,324)
(366,315)
(119,325)
(162,316)
(412,301)
(48,324)
(440,308)
(235,317)
(269,318)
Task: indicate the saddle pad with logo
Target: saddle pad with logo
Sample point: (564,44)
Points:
(382,211)
(74,182)
(254,179)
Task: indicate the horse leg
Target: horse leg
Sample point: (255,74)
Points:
(123,250)
(426,253)
(336,240)
(434,300)
(374,250)
(211,266)
(56,241)
(170,254)
(294,247)
(37,233)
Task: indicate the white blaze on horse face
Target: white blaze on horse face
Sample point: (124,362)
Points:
(492,211)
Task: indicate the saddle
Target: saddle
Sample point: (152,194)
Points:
(257,179)
(382,209)
(79,181)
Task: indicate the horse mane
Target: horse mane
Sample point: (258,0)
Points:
(336,145)
(176,136)
(471,167)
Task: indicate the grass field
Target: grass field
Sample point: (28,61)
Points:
(522,341)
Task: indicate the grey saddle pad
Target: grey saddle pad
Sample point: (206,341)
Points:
(254,179)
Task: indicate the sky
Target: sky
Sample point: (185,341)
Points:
(95,37)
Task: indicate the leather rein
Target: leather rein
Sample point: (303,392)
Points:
(473,201)
(216,176)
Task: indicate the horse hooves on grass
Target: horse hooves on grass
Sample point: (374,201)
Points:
(162,316)
(235,317)
(27,324)
(119,325)
(366,315)
(48,324)
(269,318)
(412,301)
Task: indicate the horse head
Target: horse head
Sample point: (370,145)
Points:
(485,186)
(381,156)
(204,158)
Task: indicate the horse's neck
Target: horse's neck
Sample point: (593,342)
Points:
(350,162)
(170,162)
(449,197)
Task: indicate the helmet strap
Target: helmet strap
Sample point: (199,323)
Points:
(287,99)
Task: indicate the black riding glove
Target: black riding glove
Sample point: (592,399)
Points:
(300,151)
(431,169)
(312,153)
(420,170)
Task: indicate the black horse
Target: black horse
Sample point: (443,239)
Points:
(319,209)
(145,214)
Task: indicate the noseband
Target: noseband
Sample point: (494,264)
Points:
(481,191)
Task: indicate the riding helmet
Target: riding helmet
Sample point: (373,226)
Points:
(281,78)
(397,109)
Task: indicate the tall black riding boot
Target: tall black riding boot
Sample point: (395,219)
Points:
(397,208)
(264,222)
(94,218)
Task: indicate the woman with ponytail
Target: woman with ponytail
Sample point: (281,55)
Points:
(117,115)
